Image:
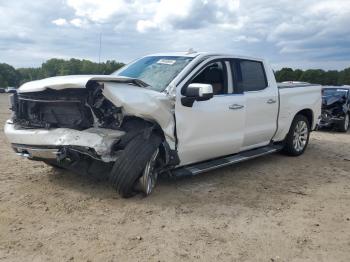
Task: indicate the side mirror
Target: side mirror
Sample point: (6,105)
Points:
(197,92)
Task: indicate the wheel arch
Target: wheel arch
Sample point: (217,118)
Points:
(168,155)
(309,114)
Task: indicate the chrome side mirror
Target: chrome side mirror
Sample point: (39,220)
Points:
(197,92)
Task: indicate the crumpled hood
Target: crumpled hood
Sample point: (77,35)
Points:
(128,93)
(73,81)
(331,100)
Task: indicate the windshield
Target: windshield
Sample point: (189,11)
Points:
(336,92)
(156,71)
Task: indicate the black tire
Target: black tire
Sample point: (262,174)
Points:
(344,126)
(290,148)
(130,164)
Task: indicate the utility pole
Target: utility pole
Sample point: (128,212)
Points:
(99,51)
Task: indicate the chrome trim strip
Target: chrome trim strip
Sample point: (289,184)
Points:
(40,153)
(231,160)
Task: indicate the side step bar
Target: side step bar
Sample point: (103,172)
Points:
(202,167)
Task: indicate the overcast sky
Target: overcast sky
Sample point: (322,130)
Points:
(299,33)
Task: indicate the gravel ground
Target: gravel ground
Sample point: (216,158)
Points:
(274,208)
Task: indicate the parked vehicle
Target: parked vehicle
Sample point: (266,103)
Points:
(2,90)
(11,90)
(335,107)
(178,113)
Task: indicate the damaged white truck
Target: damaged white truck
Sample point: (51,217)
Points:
(178,113)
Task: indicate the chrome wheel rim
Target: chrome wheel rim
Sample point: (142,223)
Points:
(346,122)
(300,136)
(148,180)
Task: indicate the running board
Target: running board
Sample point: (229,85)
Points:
(202,167)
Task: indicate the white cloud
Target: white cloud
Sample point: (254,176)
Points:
(98,11)
(309,32)
(78,22)
(189,14)
(60,22)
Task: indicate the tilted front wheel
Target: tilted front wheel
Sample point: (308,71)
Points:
(298,136)
(149,177)
(136,161)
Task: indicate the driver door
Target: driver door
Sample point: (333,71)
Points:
(212,128)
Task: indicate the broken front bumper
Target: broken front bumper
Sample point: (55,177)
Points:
(36,153)
(328,121)
(46,143)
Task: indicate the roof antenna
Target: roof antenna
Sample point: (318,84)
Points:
(191,51)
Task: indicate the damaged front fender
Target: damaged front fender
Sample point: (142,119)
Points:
(144,103)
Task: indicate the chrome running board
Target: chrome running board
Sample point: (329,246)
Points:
(206,166)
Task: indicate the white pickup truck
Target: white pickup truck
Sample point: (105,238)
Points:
(175,113)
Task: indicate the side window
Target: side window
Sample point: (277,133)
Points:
(249,75)
(215,75)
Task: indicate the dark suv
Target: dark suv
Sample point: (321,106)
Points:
(335,107)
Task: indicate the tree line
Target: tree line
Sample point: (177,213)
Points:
(10,76)
(315,76)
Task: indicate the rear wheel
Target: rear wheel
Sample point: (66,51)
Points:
(137,161)
(344,126)
(298,136)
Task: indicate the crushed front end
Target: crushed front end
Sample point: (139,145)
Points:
(66,128)
(334,111)
(69,126)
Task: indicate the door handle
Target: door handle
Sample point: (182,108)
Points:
(271,101)
(235,106)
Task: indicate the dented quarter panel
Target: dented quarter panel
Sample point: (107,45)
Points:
(144,103)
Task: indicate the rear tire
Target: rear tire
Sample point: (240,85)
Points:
(130,165)
(344,126)
(298,136)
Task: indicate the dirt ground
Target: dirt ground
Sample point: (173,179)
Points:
(274,208)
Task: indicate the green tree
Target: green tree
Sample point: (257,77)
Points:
(285,74)
(52,67)
(331,78)
(297,74)
(29,74)
(314,76)
(344,77)
(8,76)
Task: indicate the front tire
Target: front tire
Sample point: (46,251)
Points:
(298,136)
(344,126)
(136,159)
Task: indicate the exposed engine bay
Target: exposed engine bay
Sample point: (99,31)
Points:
(77,109)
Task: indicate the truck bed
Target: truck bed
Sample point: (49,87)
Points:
(294,97)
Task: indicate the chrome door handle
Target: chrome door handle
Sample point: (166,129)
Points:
(271,101)
(235,106)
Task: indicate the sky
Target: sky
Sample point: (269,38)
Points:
(299,34)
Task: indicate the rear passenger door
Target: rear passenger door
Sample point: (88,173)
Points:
(261,102)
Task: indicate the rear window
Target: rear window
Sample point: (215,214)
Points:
(250,75)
